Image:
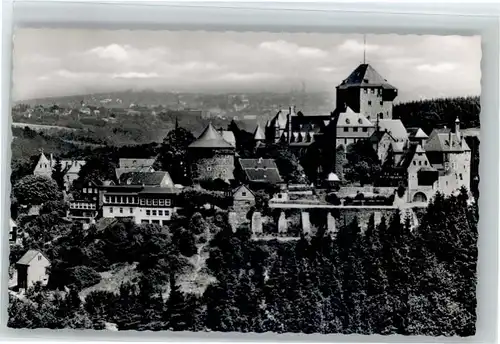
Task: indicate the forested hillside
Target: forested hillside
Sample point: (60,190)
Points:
(432,113)
(384,280)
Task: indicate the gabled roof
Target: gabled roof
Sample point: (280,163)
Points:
(243,187)
(135,163)
(378,135)
(210,138)
(416,133)
(28,257)
(120,171)
(394,127)
(144,178)
(258,134)
(439,141)
(365,75)
(349,118)
(12,223)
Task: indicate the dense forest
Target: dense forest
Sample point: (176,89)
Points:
(436,113)
(385,279)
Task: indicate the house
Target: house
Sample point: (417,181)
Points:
(134,165)
(145,197)
(259,172)
(142,204)
(85,207)
(45,167)
(32,268)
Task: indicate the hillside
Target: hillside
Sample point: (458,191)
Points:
(428,114)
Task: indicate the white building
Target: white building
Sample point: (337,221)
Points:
(145,197)
(32,268)
(71,168)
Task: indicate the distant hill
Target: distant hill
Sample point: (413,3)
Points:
(428,114)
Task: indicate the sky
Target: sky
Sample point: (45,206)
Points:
(55,62)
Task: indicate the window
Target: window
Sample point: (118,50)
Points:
(129,199)
(39,257)
(381,115)
(111,210)
(381,103)
(243,194)
(346,129)
(365,90)
(167,212)
(156,222)
(365,130)
(162,202)
(131,210)
(148,202)
(144,222)
(84,190)
(167,202)
(160,212)
(425,162)
(415,163)
(148,212)
(461,177)
(112,199)
(154,212)
(355,129)
(345,141)
(143,201)
(279,195)
(121,210)
(164,222)
(209,168)
(420,163)
(155,202)
(135,200)
(370,102)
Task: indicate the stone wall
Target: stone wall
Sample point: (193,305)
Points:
(370,104)
(213,167)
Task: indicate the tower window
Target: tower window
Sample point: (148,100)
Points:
(369,102)
(381,103)
(346,129)
(355,129)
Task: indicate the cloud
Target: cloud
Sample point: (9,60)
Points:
(437,68)
(113,51)
(247,76)
(283,47)
(354,46)
(326,69)
(135,75)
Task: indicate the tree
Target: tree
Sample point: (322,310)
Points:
(173,154)
(363,163)
(36,190)
(58,174)
(97,169)
(287,162)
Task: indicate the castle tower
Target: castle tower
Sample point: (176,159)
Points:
(365,91)
(211,156)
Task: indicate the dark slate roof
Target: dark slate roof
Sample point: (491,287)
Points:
(258,163)
(378,135)
(142,178)
(28,257)
(395,127)
(261,170)
(159,190)
(210,138)
(365,75)
(262,175)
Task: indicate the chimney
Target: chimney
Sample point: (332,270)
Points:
(457,129)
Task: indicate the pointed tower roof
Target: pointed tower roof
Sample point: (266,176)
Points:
(258,134)
(365,75)
(210,138)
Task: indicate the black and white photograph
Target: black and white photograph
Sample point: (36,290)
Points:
(251,182)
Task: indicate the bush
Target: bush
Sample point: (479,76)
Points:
(401,191)
(332,198)
(360,196)
(81,277)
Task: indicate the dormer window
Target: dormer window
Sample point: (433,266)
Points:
(347,120)
(365,80)
(360,121)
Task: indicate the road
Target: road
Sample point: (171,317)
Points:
(41,126)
